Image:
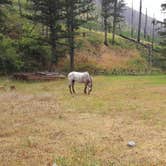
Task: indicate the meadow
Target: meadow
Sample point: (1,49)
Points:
(41,123)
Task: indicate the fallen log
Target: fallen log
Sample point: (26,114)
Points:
(39,76)
(136,42)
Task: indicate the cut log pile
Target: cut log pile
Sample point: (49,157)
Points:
(39,76)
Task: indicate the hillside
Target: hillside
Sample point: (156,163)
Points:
(127,15)
(27,51)
(93,55)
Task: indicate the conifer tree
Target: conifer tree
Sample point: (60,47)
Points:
(49,13)
(117,14)
(74,10)
(106,14)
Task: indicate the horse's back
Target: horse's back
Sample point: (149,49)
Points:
(77,73)
(78,76)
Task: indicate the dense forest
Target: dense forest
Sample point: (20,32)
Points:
(39,35)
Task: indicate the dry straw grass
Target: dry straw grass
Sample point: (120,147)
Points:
(41,123)
(105,58)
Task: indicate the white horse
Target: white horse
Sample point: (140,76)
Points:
(81,77)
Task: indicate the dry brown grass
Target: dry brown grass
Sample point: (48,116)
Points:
(105,58)
(116,58)
(42,122)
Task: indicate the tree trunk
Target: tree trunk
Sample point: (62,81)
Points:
(132,21)
(54,58)
(71,51)
(114,22)
(153,29)
(72,55)
(139,25)
(105,32)
(146,19)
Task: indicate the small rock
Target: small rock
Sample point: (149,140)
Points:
(131,144)
(54,164)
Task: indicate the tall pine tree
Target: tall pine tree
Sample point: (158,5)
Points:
(74,10)
(106,14)
(49,13)
(117,14)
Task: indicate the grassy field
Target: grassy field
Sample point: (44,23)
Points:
(41,123)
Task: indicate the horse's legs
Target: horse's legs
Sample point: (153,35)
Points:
(85,88)
(70,88)
(73,86)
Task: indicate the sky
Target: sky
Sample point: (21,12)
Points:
(153,7)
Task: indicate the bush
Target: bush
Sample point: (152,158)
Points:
(34,54)
(138,65)
(159,60)
(10,60)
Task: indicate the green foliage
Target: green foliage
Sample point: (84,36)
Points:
(88,37)
(160,59)
(49,13)
(75,14)
(2,13)
(138,65)
(23,47)
(120,9)
(9,57)
(4,2)
(94,39)
(106,8)
(34,54)
(87,67)
(121,43)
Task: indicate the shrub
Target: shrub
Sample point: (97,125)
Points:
(159,60)
(10,60)
(138,65)
(34,54)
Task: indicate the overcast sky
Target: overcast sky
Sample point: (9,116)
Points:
(153,7)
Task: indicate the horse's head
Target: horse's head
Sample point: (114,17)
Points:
(90,85)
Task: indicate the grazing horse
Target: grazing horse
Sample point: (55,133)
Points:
(81,77)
